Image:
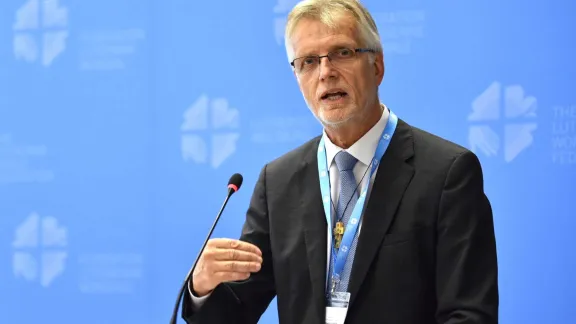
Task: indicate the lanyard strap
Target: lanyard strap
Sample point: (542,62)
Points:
(354,221)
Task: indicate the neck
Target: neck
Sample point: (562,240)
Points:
(345,135)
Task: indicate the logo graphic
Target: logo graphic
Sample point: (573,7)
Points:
(40,30)
(40,255)
(220,124)
(282,8)
(518,125)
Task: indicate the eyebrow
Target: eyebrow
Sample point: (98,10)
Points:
(330,49)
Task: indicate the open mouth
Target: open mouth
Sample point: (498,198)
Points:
(332,96)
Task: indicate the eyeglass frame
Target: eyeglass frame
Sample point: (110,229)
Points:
(320,57)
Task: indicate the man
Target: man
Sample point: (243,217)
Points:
(375,221)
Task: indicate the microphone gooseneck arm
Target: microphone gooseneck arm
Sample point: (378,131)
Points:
(231,190)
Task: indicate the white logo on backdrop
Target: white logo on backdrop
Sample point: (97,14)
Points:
(210,131)
(40,254)
(517,124)
(40,31)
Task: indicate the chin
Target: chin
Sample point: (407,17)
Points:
(334,119)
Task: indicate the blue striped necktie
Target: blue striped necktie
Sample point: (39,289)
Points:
(346,202)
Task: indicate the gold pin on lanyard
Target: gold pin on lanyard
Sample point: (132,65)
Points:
(338,234)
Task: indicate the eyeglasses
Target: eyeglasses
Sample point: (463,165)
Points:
(309,63)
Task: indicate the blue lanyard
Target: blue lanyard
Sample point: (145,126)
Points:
(354,221)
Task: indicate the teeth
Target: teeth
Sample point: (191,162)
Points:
(334,96)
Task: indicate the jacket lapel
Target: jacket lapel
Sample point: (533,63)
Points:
(392,179)
(315,227)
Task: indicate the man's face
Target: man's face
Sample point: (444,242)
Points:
(351,84)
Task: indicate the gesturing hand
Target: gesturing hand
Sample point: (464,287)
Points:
(225,260)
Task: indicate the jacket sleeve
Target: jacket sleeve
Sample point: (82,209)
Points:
(242,302)
(467,272)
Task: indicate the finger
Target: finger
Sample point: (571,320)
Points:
(219,254)
(236,266)
(236,244)
(235,255)
(245,246)
(231,276)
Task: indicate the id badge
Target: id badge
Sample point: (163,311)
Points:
(337,307)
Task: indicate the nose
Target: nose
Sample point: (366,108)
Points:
(327,70)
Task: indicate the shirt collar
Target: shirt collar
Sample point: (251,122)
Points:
(363,150)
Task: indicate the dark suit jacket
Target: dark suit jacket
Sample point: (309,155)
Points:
(426,251)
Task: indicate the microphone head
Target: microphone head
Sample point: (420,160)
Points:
(235,182)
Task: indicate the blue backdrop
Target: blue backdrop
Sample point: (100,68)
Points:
(122,120)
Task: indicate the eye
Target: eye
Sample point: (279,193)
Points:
(345,52)
(309,60)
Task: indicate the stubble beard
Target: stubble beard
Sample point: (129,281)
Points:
(337,118)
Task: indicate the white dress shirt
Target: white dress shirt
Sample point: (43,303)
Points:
(363,150)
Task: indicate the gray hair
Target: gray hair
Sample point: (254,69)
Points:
(328,12)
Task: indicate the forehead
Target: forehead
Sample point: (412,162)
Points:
(313,36)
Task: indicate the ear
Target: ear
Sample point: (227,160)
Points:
(379,67)
(297,80)
(296,77)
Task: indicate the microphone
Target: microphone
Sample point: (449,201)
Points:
(234,185)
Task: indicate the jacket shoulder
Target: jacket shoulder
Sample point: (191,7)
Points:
(424,139)
(293,159)
(434,152)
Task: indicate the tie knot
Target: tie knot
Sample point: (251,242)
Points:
(345,161)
